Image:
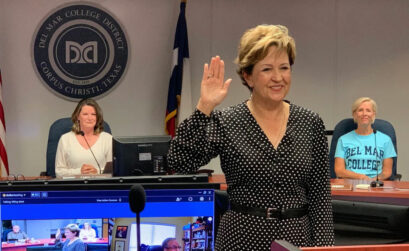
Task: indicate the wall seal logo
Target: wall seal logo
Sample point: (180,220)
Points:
(80,51)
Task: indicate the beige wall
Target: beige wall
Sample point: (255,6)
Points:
(345,49)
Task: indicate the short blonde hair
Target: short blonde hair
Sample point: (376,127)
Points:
(73,228)
(358,103)
(254,45)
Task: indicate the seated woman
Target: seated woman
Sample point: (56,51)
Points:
(87,233)
(72,242)
(361,153)
(87,148)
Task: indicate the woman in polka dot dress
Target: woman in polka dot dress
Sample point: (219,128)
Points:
(273,153)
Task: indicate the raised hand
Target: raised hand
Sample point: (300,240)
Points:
(58,234)
(213,89)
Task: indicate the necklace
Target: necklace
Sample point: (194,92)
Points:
(273,136)
(278,137)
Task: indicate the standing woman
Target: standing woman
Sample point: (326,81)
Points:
(74,156)
(361,153)
(72,242)
(273,153)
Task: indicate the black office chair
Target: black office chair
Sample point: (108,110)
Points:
(155,248)
(57,129)
(5,233)
(347,125)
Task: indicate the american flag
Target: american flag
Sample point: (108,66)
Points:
(3,154)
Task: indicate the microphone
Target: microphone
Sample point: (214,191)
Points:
(377,182)
(83,135)
(137,200)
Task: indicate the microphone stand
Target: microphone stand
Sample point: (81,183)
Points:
(377,182)
(99,167)
(137,200)
(138,231)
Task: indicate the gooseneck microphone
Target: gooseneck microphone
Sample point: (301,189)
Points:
(137,200)
(83,135)
(377,182)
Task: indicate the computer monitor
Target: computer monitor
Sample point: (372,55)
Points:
(371,223)
(144,155)
(183,213)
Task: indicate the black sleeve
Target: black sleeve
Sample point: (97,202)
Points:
(198,140)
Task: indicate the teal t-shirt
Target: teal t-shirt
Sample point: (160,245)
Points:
(361,155)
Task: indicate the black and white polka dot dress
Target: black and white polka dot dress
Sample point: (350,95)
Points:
(258,175)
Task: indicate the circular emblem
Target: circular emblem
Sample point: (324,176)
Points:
(80,51)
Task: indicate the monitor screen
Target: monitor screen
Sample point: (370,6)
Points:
(134,156)
(375,223)
(104,217)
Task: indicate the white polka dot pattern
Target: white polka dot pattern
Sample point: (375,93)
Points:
(258,175)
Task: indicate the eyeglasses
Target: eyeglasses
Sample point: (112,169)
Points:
(173,247)
(16,177)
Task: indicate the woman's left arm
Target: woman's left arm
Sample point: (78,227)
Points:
(386,169)
(387,162)
(319,189)
(58,239)
(93,233)
(108,152)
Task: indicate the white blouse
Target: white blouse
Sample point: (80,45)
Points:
(87,234)
(71,155)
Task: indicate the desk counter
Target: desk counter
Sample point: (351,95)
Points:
(393,192)
(21,246)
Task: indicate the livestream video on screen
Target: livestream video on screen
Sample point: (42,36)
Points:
(103,220)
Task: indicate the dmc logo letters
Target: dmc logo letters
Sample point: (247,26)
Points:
(80,51)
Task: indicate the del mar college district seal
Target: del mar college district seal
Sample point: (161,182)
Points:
(80,51)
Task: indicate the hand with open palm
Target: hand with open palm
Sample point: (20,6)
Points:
(213,88)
